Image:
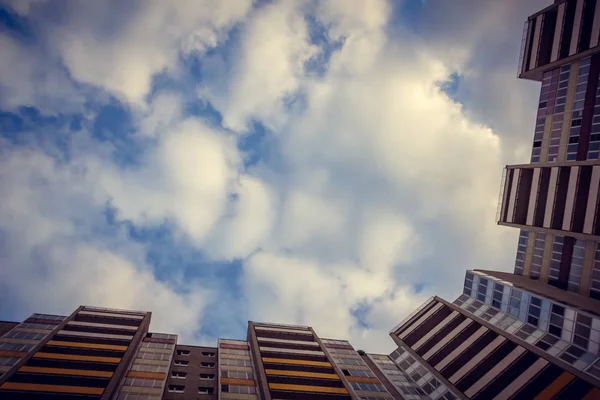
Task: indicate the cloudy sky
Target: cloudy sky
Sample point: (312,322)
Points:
(330,163)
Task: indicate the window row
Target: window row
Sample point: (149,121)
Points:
(142,382)
(153,345)
(368,387)
(238,389)
(15,334)
(237,374)
(236,363)
(235,352)
(149,368)
(16,347)
(33,325)
(144,355)
(137,396)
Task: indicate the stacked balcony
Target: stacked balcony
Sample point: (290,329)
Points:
(295,365)
(79,359)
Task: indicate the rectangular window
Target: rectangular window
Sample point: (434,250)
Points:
(176,388)
(212,377)
(205,390)
(538,253)
(576,266)
(181,363)
(207,365)
(520,261)
(557,250)
(178,375)
(183,352)
(595,281)
(208,354)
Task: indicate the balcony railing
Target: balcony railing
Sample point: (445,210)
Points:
(523,48)
(412,314)
(501,196)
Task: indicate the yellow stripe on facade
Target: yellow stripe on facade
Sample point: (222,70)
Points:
(306,388)
(86,345)
(37,387)
(296,362)
(72,357)
(302,374)
(66,371)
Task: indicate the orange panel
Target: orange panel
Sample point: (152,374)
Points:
(86,345)
(14,354)
(147,375)
(555,387)
(240,382)
(36,387)
(306,388)
(296,362)
(593,394)
(72,357)
(302,374)
(363,379)
(66,371)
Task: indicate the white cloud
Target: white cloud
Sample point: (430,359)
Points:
(185,179)
(54,259)
(28,77)
(380,182)
(121,46)
(269,68)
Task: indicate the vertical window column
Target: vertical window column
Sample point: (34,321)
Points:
(595,281)
(557,249)
(521,249)
(538,254)
(579,101)
(594,147)
(576,266)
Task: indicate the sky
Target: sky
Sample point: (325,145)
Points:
(328,163)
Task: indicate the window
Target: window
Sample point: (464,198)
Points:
(557,250)
(534,311)
(468,283)
(210,376)
(207,365)
(538,253)
(208,354)
(182,363)
(430,386)
(481,290)
(368,387)
(556,320)
(238,389)
(231,374)
(178,375)
(176,388)
(515,303)
(183,352)
(595,282)
(576,266)
(205,390)
(497,296)
(520,261)
(144,382)
(581,335)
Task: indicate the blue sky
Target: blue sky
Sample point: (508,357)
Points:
(219,161)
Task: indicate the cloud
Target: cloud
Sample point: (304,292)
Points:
(374,188)
(269,68)
(120,46)
(56,250)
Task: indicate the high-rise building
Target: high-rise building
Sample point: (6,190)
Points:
(479,352)
(110,354)
(554,199)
